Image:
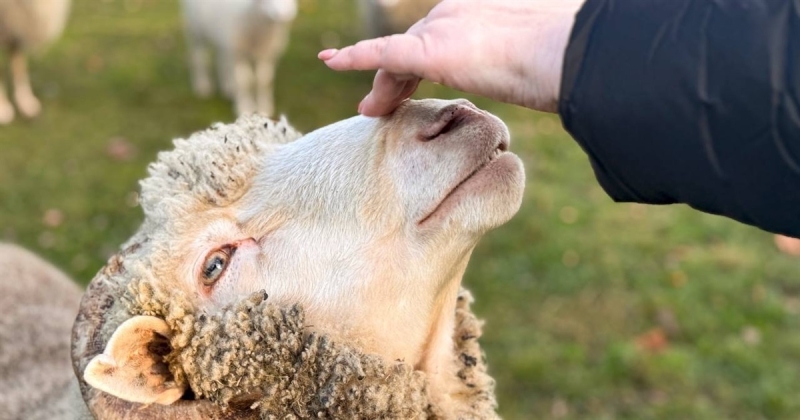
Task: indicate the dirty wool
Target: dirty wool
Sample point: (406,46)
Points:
(256,355)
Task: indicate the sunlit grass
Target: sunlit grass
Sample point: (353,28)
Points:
(594,309)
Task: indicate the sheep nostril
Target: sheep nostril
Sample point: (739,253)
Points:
(451,125)
(450,119)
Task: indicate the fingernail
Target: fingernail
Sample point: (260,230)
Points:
(360,106)
(327,54)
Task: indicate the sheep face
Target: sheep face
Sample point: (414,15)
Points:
(367,223)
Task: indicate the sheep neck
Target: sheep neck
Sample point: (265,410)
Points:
(281,367)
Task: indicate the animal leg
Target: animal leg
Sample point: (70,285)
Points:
(27,103)
(199,62)
(6,109)
(265,75)
(243,81)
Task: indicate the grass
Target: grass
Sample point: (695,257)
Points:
(594,310)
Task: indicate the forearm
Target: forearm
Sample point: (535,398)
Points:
(690,101)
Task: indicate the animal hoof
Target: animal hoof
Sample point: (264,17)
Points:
(244,108)
(29,107)
(266,110)
(203,89)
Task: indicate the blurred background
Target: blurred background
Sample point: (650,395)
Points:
(594,310)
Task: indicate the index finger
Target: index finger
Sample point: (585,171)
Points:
(399,54)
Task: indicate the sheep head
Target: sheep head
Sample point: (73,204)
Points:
(367,224)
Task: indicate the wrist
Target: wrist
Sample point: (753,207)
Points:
(547,58)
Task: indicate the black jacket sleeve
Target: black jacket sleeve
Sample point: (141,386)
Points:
(690,101)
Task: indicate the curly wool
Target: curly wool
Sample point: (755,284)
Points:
(213,168)
(256,355)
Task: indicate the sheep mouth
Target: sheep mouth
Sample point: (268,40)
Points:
(497,153)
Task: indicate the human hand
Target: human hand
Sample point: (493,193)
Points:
(508,50)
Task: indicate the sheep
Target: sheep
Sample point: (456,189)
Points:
(249,37)
(278,275)
(39,305)
(387,17)
(26,25)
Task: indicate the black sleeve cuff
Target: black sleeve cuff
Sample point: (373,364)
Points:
(690,101)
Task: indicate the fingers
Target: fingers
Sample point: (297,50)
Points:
(400,61)
(388,92)
(325,55)
(365,55)
(399,54)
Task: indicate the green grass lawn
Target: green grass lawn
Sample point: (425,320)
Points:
(594,310)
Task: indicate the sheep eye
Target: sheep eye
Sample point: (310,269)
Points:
(215,264)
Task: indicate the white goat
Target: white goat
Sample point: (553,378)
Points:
(367,224)
(248,37)
(26,25)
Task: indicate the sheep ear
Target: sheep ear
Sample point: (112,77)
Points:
(132,366)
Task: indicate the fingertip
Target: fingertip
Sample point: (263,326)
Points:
(369,107)
(365,107)
(327,54)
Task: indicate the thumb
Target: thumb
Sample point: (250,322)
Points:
(388,92)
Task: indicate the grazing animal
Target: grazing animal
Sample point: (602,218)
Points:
(25,26)
(248,38)
(313,275)
(387,17)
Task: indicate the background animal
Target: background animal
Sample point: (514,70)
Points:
(386,17)
(247,38)
(367,224)
(26,25)
(39,304)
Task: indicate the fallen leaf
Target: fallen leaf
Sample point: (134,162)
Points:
(53,218)
(121,149)
(653,341)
